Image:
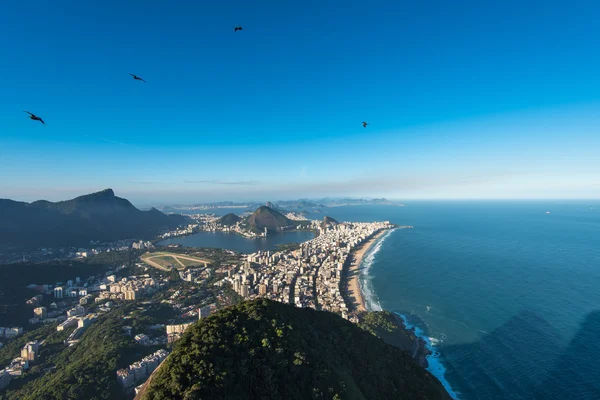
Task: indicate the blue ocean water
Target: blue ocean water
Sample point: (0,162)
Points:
(233,241)
(507,295)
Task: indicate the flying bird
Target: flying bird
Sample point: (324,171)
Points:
(35,117)
(137,78)
(365,124)
(237,28)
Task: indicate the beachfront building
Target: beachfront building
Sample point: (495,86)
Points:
(310,276)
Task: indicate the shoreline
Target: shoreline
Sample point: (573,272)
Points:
(354,296)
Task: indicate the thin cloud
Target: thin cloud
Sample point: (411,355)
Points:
(219,182)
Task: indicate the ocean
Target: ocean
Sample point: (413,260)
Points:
(506,295)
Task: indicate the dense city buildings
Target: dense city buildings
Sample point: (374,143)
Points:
(309,276)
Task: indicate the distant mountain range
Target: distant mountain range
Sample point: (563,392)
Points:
(302,205)
(74,223)
(352,202)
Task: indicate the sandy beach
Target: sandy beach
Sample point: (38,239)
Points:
(354,296)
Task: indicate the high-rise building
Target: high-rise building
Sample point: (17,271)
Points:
(30,350)
(262,289)
(245,290)
(116,288)
(125,377)
(59,292)
(131,295)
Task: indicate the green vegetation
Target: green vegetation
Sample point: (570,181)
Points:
(216,257)
(390,328)
(15,277)
(263,349)
(229,219)
(87,370)
(191,263)
(13,348)
(115,258)
(287,247)
(167,260)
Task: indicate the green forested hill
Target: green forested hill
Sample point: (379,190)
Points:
(268,350)
(229,219)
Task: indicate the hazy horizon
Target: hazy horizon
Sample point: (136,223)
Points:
(146,202)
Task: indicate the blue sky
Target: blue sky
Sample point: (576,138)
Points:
(497,100)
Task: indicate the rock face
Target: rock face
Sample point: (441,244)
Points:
(98,216)
(268,350)
(266,217)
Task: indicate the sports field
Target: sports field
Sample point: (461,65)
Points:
(166,261)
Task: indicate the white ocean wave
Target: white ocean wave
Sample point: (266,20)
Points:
(371,301)
(436,367)
(372,304)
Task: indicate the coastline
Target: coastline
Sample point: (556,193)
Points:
(354,296)
(423,350)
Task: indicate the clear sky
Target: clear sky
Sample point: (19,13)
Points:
(471,99)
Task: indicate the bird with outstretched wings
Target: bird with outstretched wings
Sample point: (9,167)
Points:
(137,78)
(35,117)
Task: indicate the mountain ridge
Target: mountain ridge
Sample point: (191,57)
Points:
(98,216)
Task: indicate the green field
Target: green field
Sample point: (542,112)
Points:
(166,261)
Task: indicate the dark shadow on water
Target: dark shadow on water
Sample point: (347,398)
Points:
(507,363)
(576,374)
(524,359)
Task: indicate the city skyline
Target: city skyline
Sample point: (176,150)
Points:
(502,106)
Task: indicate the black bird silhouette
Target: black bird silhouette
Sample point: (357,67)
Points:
(237,28)
(35,117)
(137,78)
(365,124)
